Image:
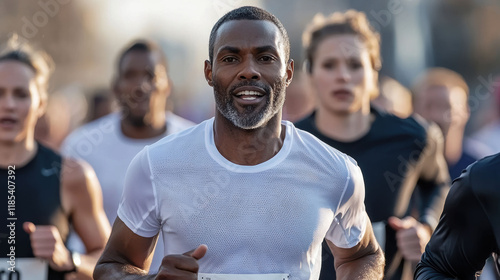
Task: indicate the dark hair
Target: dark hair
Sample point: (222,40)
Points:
(248,13)
(350,22)
(40,62)
(142,45)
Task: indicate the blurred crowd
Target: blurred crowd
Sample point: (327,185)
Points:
(438,64)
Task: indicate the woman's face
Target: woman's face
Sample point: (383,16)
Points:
(342,75)
(20,102)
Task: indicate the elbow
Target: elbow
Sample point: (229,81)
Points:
(379,260)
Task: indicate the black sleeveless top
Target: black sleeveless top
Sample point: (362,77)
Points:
(36,190)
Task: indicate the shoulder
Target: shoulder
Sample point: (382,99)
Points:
(93,130)
(75,173)
(414,125)
(178,121)
(184,138)
(312,147)
(427,133)
(47,154)
(484,176)
(305,123)
(479,179)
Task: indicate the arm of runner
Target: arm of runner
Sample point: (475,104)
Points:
(131,245)
(462,240)
(128,255)
(82,198)
(363,261)
(356,252)
(433,184)
(434,181)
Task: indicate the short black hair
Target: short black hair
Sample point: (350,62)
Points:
(248,13)
(142,45)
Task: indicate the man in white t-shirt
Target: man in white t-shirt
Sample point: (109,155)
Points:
(257,193)
(109,143)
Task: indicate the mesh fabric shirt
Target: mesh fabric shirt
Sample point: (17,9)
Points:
(260,219)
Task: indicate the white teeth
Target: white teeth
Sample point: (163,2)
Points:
(248,92)
(249,98)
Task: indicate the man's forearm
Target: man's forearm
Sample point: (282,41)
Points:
(118,271)
(368,267)
(87,265)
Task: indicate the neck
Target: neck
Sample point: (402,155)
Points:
(343,127)
(150,129)
(453,145)
(248,147)
(17,153)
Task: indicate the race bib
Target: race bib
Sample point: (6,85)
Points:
(23,269)
(274,276)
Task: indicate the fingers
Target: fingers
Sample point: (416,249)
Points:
(410,248)
(43,241)
(411,237)
(177,265)
(29,227)
(183,266)
(199,252)
(399,224)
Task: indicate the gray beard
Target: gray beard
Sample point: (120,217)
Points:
(250,118)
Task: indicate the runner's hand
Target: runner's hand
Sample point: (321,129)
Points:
(47,244)
(183,266)
(411,236)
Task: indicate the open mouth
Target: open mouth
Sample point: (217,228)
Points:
(249,95)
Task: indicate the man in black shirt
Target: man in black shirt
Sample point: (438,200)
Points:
(469,229)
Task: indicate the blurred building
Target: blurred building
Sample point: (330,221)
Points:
(85,36)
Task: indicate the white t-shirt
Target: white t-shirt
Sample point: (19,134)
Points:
(102,144)
(261,219)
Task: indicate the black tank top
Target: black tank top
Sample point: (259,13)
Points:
(37,200)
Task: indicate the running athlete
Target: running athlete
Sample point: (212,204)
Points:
(109,144)
(469,229)
(48,193)
(343,59)
(259,194)
(440,95)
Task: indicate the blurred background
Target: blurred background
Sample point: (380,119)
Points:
(84,38)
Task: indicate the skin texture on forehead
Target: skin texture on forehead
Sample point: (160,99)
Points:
(15,74)
(260,33)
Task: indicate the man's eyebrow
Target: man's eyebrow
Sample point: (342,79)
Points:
(229,49)
(268,48)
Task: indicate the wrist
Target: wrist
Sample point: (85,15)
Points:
(73,263)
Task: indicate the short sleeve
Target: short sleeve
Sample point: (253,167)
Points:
(349,224)
(138,204)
